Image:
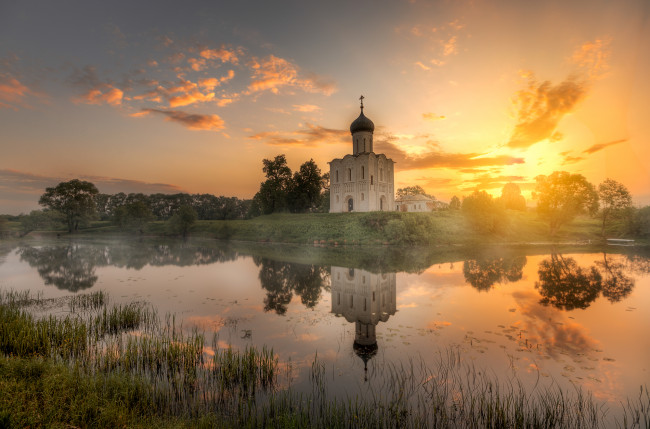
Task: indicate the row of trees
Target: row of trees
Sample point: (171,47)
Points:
(306,190)
(76,202)
(560,196)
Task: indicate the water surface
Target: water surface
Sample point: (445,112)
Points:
(539,317)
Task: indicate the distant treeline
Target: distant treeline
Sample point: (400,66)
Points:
(163,206)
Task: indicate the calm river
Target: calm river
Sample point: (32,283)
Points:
(568,318)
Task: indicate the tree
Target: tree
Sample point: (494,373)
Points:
(483,212)
(615,200)
(272,196)
(75,199)
(40,220)
(304,191)
(511,197)
(454,204)
(134,215)
(182,220)
(562,196)
(412,191)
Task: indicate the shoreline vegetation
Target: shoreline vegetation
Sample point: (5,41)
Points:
(440,228)
(98,364)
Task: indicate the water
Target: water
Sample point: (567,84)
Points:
(539,317)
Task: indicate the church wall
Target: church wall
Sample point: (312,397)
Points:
(366,178)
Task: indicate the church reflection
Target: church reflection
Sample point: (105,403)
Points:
(365,299)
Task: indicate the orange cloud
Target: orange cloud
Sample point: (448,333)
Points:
(541,106)
(422,66)
(225,55)
(197,64)
(305,108)
(600,146)
(449,47)
(593,57)
(213,82)
(272,73)
(12,92)
(440,159)
(190,98)
(311,136)
(107,95)
(188,120)
(432,116)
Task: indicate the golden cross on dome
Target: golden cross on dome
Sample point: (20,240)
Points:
(361,98)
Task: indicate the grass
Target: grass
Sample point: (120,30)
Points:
(122,366)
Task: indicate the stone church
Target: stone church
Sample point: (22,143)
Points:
(364,180)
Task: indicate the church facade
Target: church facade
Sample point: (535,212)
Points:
(364,180)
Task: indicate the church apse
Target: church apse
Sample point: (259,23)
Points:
(365,299)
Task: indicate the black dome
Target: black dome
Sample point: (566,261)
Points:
(362,124)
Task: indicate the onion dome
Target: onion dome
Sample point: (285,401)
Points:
(362,123)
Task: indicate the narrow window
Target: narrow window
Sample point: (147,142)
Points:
(371,179)
(349,174)
(364,144)
(365,304)
(363,172)
(351,301)
(373,297)
(362,196)
(337,176)
(339,298)
(381,174)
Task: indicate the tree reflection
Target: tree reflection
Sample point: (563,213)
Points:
(70,267)
(564,284)
(483,274)
(616,285)
(282,279)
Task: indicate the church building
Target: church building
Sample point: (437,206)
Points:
(364,180)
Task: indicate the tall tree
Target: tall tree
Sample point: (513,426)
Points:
(511,197)
(483,212)
(182,220)
(304,192)
(75,199)
(615,200)
(454,204)
(272,196)
(561,196)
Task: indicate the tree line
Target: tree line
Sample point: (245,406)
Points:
(560,197)
(76,202)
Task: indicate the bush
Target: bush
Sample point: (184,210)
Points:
(484,213)
(412,228)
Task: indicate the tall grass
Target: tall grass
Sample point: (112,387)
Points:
(121,365)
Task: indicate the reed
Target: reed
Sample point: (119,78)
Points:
(107,365)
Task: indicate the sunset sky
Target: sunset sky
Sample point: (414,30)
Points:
(162,96)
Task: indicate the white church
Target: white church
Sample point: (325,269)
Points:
(364,180)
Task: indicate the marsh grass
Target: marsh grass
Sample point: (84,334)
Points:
(107,365)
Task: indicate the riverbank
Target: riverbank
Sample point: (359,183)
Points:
(443,228)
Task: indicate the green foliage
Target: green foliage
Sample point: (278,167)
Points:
(615,201)
(639,225)
(272,196)
(40,220)
(74,199)
(511,197)
(133,216)
(182,220)
(562,196)
(484,213)
(304,194)
(454,204)
(412,191)
(411,228)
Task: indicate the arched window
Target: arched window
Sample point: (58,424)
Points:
(349,174)
(362,197)
(381,174)
(363,172)
(337,176)
(371,179)
(364,144)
